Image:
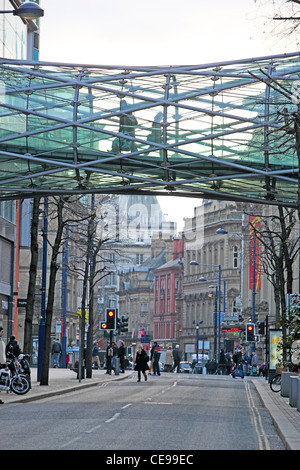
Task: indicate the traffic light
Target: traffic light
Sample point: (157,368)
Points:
(111,318)
(261,327)
(118,328)
(124,323)
(103,325)
(250,332)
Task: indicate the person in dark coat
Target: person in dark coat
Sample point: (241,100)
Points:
(121,355)
(222,362)
(177,358)
(13,347)
(141,363)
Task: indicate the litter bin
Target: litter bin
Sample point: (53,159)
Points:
(198,369)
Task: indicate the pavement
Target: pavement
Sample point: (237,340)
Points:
(60,381)
(286,419)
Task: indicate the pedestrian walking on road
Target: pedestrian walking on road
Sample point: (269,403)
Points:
(228,363)
(151,358)
(177,358)
(168,360)
(121,356)
(114,363)
(222,362)
(156,357)
(211,367)
(141,363)
(246,361)
(254,362)
(95,355)
(56,351)
(109,356)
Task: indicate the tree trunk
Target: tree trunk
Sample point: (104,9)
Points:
(27,348)
(51,293)
(89,357)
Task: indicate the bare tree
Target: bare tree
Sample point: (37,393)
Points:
(91,265)
(51,291)
(281,248)
(32,277)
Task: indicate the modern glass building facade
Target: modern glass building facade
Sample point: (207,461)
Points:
(19,39)
(218,131)
(13,34)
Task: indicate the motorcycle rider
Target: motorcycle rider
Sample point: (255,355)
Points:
(13,347)
(2,353)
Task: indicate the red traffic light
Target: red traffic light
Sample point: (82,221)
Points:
(250,332)
(111,318)
(103,325)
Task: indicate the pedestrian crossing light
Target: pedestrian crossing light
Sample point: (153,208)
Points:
(111,318)
(250,332)
(118,325)
(124,323)
(261,328)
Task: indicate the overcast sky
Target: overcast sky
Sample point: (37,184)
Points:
(160,32)
(157,32)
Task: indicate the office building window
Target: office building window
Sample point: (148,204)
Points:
(139,258)
(235,257)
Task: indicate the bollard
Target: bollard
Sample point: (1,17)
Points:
(117,366)
(298,395)
(285,383)
(293,391)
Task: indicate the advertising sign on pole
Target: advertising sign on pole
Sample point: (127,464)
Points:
(275,353)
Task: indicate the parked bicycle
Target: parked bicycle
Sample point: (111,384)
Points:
(275,383)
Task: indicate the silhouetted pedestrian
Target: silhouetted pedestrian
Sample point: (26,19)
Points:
(141,363)
(56,351)
(176,358)
(121,355)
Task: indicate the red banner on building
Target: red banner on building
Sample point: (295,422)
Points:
(254,221)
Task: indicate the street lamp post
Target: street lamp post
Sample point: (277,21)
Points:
(222,231)
(195,263)
(65,257)
(197,342)
(26,11)
(42,325)
(215,320)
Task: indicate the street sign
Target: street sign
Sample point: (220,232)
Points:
(21,303)
(232,329)
(145,339)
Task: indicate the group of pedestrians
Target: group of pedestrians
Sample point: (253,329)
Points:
(238,364)
(172,360)
(112,354)
(241,364)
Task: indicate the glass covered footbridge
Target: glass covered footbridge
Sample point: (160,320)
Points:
(220,131)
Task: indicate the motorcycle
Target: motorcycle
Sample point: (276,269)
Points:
(23,366)
(11,377)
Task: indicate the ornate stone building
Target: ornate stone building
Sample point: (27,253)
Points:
(208,254)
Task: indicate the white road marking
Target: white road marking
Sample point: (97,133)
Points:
(115,416)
